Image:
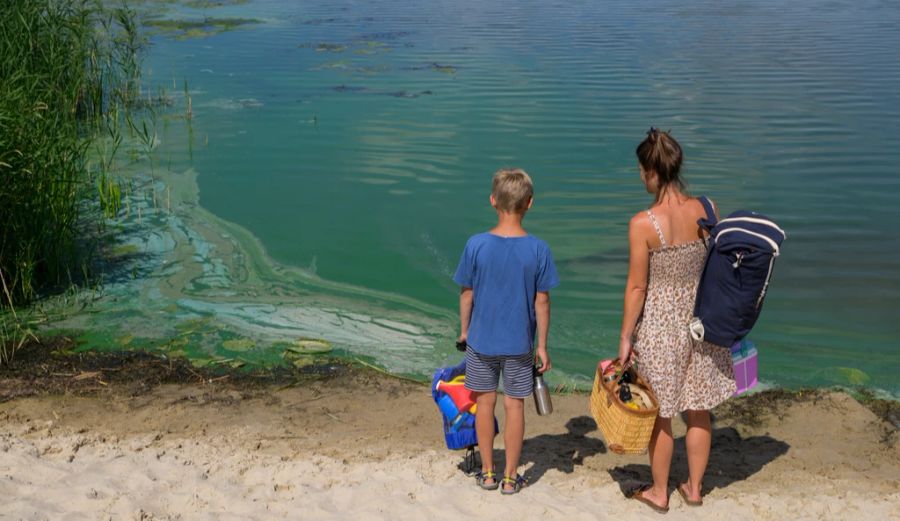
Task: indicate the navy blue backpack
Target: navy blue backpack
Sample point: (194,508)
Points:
(742,252)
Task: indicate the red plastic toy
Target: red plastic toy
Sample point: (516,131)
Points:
(461,396)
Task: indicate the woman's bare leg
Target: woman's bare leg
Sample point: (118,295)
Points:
(698,442)
(662,444)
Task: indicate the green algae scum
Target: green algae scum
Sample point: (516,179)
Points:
(317,166)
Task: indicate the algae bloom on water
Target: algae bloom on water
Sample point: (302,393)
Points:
(302,352)
(184,29)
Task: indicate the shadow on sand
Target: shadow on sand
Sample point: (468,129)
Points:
(563,452)
(731,459)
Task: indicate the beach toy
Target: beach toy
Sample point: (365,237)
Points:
(461,420)
(449,410)
(447,407)
(744,358)
(461,396)
(462,436)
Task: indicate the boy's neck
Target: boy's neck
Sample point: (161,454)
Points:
(509,225)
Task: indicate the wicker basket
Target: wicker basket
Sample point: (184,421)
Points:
(627,431)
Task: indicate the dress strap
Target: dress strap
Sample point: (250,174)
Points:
(662,239)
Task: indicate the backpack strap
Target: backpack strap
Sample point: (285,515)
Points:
(710,220)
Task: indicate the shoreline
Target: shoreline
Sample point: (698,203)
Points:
(182,281)
(349,442)
(56,365)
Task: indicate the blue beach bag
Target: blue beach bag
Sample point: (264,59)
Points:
(735,279)
(464,436)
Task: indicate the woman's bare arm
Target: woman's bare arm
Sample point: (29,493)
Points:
(636,285)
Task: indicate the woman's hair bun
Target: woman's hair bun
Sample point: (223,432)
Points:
(661,154)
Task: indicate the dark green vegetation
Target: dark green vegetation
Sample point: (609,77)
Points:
(887,410)
(55,365)
(207,4)
(187,19)
(753,409)
(182,29)
(69,76)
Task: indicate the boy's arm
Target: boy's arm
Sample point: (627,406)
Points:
(465,312)
(542,315)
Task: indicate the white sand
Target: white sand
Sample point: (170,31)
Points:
(372,450)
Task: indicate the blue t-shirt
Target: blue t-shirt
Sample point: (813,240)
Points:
(505,273)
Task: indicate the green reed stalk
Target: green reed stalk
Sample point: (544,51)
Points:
(69,70)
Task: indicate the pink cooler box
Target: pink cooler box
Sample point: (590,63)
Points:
(743,355)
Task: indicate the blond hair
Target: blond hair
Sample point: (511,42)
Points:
(512,190)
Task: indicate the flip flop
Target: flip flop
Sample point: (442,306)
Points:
(481,477)
(638,494)
(684,497)
(518,483)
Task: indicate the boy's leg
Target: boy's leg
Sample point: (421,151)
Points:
(484,427)
(482,377)
(513,433)
(518,383)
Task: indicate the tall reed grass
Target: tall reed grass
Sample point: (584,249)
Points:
(69,72)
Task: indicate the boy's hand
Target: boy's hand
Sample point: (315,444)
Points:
(544,357)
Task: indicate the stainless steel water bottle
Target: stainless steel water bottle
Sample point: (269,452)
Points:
(541,395)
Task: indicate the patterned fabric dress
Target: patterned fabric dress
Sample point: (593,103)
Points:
(684,373)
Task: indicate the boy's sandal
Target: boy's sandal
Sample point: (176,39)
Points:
(517,484)
(638,494)
(687,501)
(482,477)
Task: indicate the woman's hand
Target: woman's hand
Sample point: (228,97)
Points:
(626,351)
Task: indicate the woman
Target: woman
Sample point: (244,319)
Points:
(667,253)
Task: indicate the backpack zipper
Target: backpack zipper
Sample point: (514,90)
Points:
(765,287)
(761,236)
(756,220)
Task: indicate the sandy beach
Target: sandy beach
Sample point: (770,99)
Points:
(362,445)
(229,227)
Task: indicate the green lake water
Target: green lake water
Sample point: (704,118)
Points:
(354,143)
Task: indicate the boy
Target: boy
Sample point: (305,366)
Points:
(505,275)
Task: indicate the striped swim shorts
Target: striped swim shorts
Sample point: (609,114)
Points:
(483,373)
